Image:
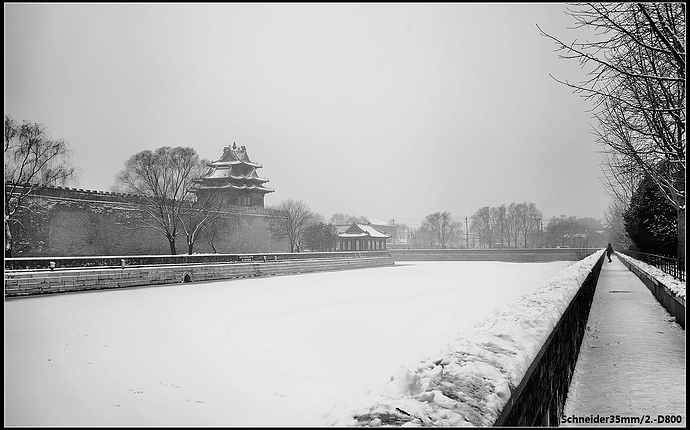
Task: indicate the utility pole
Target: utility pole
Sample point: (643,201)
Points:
(394,236)
(541,232)
(467,235)
(501,213)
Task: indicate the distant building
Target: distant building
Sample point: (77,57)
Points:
(234,177)
(362,237)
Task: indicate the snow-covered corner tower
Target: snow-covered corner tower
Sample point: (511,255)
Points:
(234,177)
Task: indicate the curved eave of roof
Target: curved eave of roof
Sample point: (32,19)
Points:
(232,163)
(378,234)
(248,178)
(236,187)
(222,175)
(253,175)
(352,235)
(365,234)
(219,181)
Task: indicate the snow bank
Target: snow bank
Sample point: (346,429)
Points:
(676,286)
(469,382)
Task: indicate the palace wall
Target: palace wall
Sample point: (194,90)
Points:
(58,221)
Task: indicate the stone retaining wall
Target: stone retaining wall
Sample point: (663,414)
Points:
(519,255)
(674,305)
(29,283)
(37,263)
(540,397)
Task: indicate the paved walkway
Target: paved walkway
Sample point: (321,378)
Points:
(632,358)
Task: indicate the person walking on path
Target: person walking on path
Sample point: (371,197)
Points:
(609,251)
(632,358)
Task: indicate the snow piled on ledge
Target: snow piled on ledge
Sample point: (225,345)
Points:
(469,382)
(676,286)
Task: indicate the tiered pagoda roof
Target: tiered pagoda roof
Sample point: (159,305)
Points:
(234,171)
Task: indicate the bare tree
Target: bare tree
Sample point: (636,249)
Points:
(507,222)
(32,160)
(165,179)
(317,218)
(637,89)
(197,213)
(511,223)
(290,222)
(214,228)
(320,236)
(528,217)
(498,217)
(340,218)
(483,226)
(620,182)
(572,231)
(443,226)
(559,230)
(400,231)
(422,237)
(613,217)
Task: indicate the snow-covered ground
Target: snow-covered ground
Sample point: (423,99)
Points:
(676,286)
(468,382)
(278,351)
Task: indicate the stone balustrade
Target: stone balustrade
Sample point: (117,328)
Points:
(20,283)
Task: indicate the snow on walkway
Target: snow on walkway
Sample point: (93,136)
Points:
(632,360)
(277,351)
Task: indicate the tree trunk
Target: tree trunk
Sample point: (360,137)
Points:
(8,240)
(171,241)
(681,237)
(681,218)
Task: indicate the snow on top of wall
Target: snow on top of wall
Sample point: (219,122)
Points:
(676,286)
(469,382)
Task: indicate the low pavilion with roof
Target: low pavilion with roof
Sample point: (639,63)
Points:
(234,177)
(362,237)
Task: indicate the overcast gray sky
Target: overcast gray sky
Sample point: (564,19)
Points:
(383,110)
